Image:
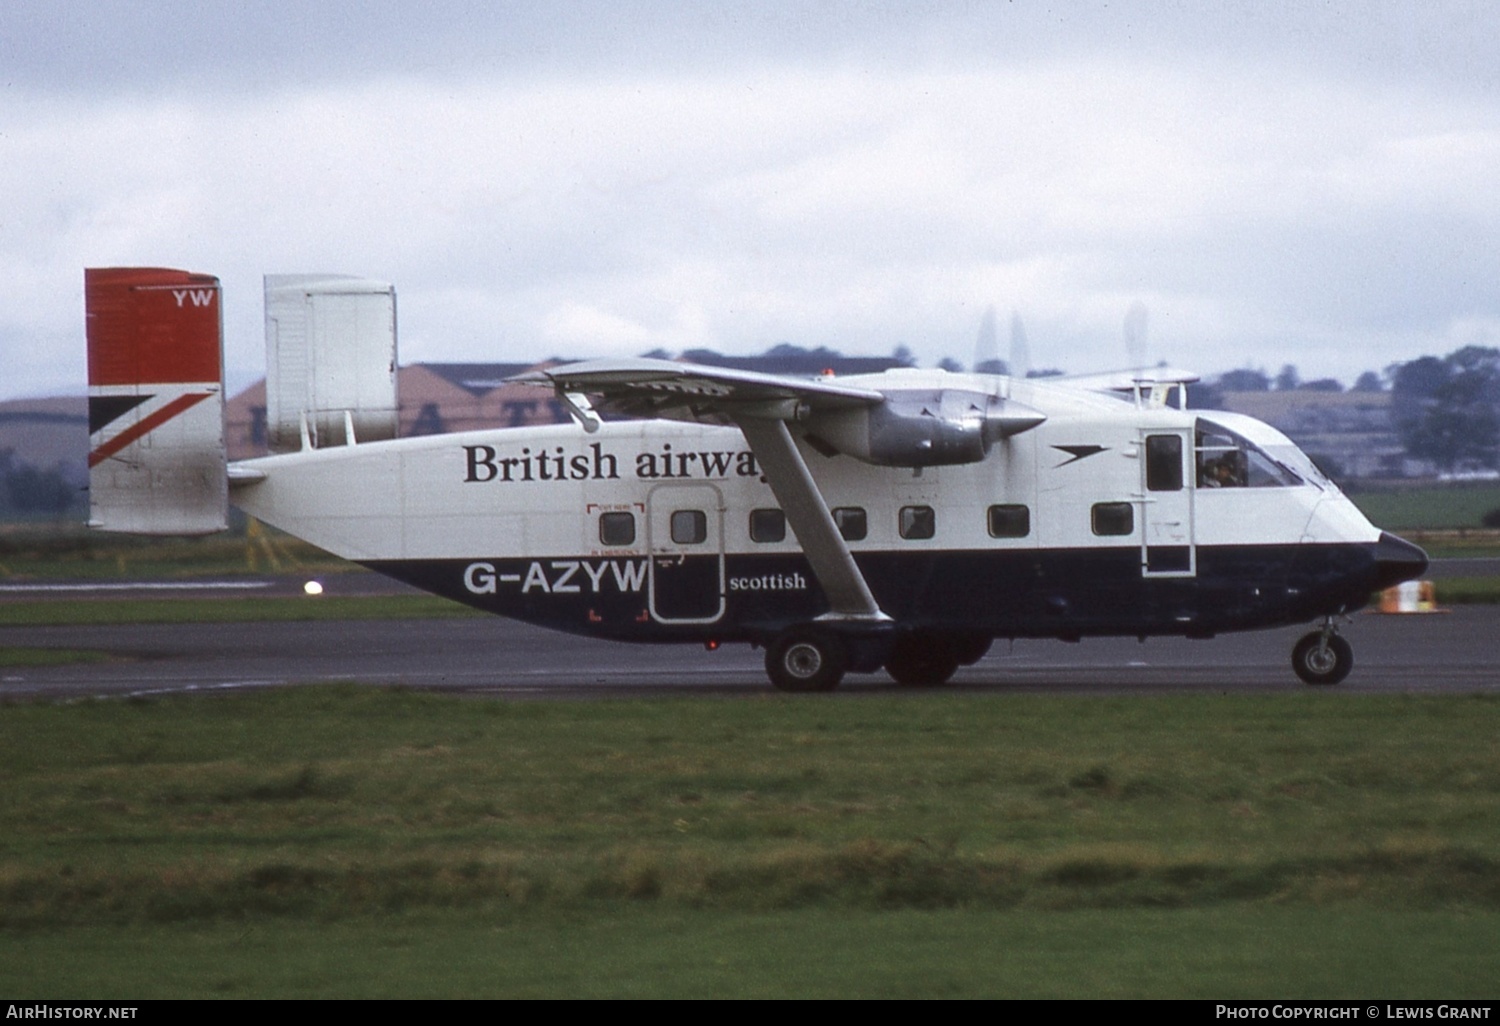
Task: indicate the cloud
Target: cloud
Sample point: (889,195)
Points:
(1319,194)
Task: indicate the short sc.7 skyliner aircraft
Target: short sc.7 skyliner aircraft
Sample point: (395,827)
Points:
(901,520)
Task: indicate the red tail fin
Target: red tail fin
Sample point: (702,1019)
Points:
(156,401)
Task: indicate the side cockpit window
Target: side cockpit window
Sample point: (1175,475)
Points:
(1229,460)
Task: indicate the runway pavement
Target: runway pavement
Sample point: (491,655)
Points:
(1467,566)
(1458,651)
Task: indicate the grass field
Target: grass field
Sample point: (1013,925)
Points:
(1468,591)
(360,842)
(1430,508)
(239,609)
(48,657)
(72,552)
(367,843)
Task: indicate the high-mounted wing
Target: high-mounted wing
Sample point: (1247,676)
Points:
(907,427)
(684,391)
(892,427)
(759,404)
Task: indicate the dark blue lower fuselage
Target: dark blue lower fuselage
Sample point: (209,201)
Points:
(1037,593)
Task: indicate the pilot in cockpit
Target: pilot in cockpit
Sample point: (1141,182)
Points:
(1221,472)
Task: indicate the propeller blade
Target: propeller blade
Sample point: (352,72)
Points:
(1135,334)
(1020,353)
(987,345)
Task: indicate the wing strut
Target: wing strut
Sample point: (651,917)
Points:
(807,512)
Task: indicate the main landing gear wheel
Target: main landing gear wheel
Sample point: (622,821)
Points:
(921,661)
(969,649)
(805,661)
(1322,658)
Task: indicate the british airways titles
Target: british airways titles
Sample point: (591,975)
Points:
(484,463)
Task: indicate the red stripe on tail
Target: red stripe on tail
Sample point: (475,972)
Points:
(146,424)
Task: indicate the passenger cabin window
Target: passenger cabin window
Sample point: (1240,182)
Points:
(616,528)
(1228,460)
(689,526)
(1010,521)
(1113,518)
(851,523)
(1163,463)
(767,525)
(917,522)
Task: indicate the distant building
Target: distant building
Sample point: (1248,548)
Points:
(439,398)
(435,398)
(48,432)
(43,469)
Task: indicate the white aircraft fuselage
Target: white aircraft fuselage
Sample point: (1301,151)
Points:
(902,520)
(669,531)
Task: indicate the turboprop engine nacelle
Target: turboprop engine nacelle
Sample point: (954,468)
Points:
(921,427)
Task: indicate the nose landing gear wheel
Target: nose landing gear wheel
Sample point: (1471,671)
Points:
(799,661)
(1321,658)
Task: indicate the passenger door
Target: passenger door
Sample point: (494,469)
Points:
(685,533)
(1167,546)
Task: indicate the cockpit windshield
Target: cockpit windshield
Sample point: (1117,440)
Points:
(1227,459)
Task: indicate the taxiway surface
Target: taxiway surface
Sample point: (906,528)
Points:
(1455,651)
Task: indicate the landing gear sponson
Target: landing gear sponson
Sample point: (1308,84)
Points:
(815,657)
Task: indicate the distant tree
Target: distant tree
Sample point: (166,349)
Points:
(1414,383)
(1369,381)
(657,354)
(1480,360)
(1201,395)
(1321,385)
(1448,410)
(951,365)
(31,490)
(903,356)
(1287,379)
(1245,379)
(991,366)
(785,358)
(1454,438)
(1045,372)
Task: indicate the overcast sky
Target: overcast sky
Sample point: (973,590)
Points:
(1306,183)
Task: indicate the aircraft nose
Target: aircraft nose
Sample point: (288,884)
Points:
(1397,560)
